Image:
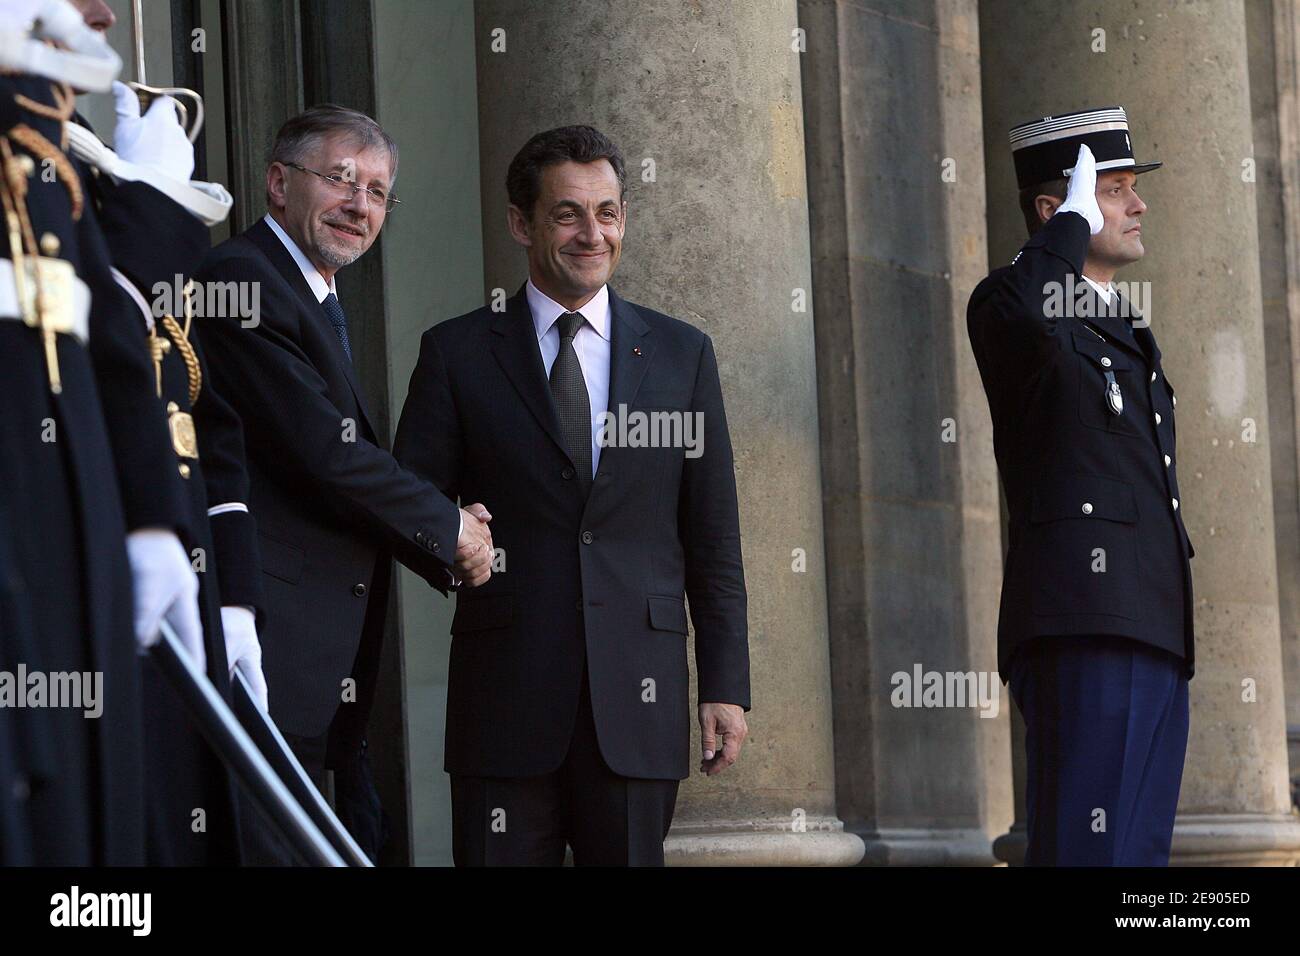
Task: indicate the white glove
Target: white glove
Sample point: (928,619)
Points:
(1082,196)
(20,13)
(165,586)
(84,59)
(155,140)
(244,651)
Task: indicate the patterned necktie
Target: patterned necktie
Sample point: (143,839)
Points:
(571,399)
(334,312)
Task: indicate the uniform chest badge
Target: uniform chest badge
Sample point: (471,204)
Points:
(1114,398)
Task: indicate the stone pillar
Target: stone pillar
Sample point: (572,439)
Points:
(1273,32)
(1181,71)
(705,101)
(896,186)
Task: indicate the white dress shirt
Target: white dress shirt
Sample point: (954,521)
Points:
(1105,291)
(319,287)
(591,343)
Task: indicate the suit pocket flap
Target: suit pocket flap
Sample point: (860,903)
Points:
(281,560)
(483,614)
(1104,355)
(1085,496)
(667,614)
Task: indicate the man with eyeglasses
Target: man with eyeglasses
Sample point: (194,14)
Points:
(332,505)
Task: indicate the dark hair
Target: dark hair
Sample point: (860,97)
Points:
(1056,188)
(579,144)
(303,131)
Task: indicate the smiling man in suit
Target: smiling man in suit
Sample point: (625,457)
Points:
(568,715)
(332,506)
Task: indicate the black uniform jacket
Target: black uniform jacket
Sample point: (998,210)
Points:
(1090,469)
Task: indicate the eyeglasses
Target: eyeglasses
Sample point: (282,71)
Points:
(374,195)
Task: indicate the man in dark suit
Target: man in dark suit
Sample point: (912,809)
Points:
(1095,631)
(567,708)
(332,505)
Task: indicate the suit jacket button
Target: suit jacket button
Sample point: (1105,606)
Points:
(1168,461)
(567,474)
(588,537)
(1105,361)
(1153,376)
(1158,418)
(1175,501)
(359,590)
(1087,507)
(419,537)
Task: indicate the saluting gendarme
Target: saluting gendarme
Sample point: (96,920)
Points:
(1095,630)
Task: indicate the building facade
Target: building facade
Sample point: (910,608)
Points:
(819,184)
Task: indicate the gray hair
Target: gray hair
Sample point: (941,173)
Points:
(297,136)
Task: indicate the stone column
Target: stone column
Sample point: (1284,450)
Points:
(1181,71)
(1273,32)
(896,185)
(705,101)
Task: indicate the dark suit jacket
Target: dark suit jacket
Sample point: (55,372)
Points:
(1086,488)
(600,579)
(332,506)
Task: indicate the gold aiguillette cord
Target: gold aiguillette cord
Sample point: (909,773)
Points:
(22,244)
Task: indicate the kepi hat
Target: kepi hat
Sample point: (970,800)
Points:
(1047,148)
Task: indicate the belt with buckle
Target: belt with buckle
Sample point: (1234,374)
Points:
(65,297)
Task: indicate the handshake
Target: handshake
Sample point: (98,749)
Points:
(474,547)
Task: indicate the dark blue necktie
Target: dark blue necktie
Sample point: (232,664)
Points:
(334,312)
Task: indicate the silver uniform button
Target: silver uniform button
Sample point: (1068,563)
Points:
(1168,460)
(1087,507)
(1153,376)
(1175,398)
(1105,361)
(1175,504)
(1157,418)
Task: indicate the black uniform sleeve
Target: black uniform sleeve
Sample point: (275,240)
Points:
(225,475)
(155,242)
(152,493)
(1051,254)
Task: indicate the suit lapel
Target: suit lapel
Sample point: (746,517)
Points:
(631,350)
(261,235)
(515,348)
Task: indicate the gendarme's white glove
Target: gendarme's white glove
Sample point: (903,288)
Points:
(244,651)
(155,140)
(1082,196)
(20,13)
(87,62)
(165,586)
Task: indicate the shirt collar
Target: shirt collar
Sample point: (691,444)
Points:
(546,310)
(315,281)
(1106,292)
